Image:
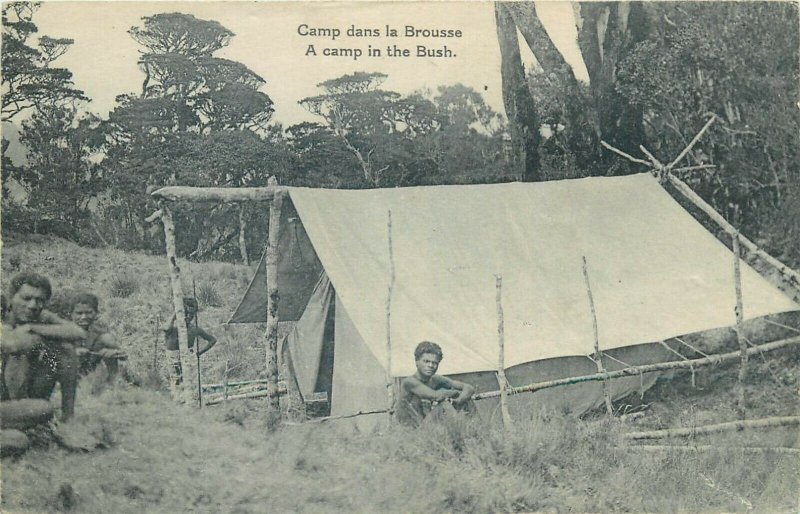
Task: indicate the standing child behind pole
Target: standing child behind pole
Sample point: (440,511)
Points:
(171,337)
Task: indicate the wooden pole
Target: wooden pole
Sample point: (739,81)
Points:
(598,356)
(389,379)
(693,142)
(273,298)
(187,392)
(155,345)
(214,400)
(645,368)
(791,275)
(707,448)
(225,383)
(713,429)
(737,280)
(242,239)
(218,194)
(501,354)
(197,345)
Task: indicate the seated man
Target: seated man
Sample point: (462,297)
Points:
(38,346)
(99,345)
(194,332)
(419,391)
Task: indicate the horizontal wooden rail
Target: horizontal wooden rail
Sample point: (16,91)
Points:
(646,368)
(713,429)
(212,387)
(709,448)
(261,393)
(217,194)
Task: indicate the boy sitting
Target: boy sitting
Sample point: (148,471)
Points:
(98,346)
(419,391)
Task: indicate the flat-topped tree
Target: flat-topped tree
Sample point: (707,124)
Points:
(29,79)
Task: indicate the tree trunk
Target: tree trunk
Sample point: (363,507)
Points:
(523,119)
(553,63)
(608,30)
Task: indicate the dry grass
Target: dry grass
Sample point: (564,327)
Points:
(234,458)
(166,459)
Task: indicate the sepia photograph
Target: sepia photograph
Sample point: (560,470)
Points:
(400,256)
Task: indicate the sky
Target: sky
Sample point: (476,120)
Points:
(272,39)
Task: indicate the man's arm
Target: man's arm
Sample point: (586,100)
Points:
(54,327)
(107,347)
(18,340)
(209,339)
(466,390)
(414,386)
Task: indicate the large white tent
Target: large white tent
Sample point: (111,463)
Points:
(655,273)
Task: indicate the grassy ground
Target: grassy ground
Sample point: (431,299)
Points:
(157,457)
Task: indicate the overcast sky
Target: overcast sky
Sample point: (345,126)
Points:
(103,57)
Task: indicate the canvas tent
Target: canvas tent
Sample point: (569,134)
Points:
(655,273)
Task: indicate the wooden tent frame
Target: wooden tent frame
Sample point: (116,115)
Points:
(274,194)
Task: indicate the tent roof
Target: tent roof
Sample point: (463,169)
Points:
(655,272)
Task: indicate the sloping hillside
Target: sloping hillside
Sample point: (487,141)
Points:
(154,456)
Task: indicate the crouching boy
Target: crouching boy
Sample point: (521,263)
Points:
(424,389)
(99,345)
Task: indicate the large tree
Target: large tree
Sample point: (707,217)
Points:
(607,31)
(29,79)
(59,175)
(189,98)
(358,112)
(376,138)
(210,93)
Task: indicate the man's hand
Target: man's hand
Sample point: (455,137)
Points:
(465,394)
(112,353)
(20,339)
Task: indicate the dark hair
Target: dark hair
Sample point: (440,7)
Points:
(428,347)
(33,280)
(86,299)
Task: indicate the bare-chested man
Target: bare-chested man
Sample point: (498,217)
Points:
(37,349)
(424,388)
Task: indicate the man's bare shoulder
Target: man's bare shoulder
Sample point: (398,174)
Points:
(411,381)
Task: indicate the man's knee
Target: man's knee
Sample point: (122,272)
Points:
(22,414)
(13,443)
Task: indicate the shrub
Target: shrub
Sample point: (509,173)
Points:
(208,294)
(123,286)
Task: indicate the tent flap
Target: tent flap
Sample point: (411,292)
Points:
(299,270)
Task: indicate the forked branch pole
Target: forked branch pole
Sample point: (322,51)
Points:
(271,263)
(186,373)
